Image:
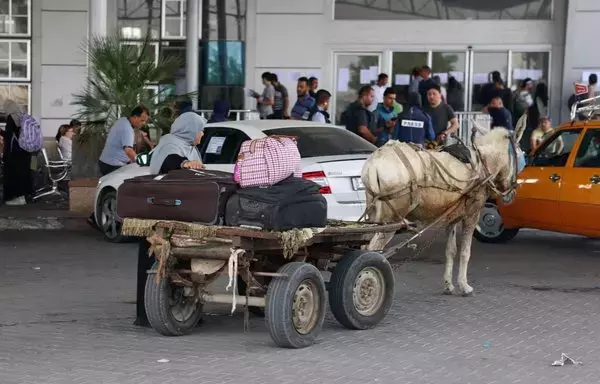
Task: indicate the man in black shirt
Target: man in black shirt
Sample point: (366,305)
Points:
(358,119)
(445,123)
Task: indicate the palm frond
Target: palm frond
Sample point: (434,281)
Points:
(119,78)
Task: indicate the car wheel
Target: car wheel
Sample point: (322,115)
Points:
(106,217)
(490,228)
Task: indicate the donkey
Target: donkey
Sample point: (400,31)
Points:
(403,182)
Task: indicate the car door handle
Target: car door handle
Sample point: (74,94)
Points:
(595,179)
(554,177)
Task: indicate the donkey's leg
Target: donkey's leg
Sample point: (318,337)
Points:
(464,250)
(450,255)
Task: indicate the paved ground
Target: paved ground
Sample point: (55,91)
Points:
(67,308)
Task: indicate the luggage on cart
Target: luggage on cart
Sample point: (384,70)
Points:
(292,203)
(267,161)
(182,195)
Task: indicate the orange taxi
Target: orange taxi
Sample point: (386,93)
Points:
(559,188)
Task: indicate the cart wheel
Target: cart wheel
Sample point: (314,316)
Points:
(169,311)
(295,305)
(361,289)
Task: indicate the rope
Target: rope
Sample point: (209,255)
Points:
(232,271)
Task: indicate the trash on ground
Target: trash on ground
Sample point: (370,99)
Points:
(412,246)
(565,360)
(36,268)
(163,361)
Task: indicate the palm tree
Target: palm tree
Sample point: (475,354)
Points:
(119,78)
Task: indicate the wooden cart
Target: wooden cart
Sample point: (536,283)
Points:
(273,274)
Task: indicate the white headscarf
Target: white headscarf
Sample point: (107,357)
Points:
(14,110)
(180,141)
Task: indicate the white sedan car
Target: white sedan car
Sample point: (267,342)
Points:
(331,156)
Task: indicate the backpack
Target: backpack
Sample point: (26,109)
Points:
(347,116)
(31,138)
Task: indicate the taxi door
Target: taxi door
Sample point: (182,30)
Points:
(580,193)
(538,194)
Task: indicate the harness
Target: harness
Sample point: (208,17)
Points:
(481,177)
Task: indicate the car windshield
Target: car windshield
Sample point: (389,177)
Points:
(325,141)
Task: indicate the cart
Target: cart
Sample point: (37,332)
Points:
(273,274)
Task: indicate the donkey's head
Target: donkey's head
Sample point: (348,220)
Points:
(500,154)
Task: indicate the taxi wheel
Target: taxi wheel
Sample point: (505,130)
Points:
(490,228)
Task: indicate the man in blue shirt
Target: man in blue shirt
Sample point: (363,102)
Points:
(414,125)
(304,102)
(386,117)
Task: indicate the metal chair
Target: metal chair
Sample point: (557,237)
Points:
(57,171)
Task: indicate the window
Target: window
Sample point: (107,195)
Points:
(152,54)
(443,9)
(19,92)
(15,52)
(224,63)
(555,151)
(325,141)
(221,145)
(138,18)
(588,155)
(15,17)
(174,25)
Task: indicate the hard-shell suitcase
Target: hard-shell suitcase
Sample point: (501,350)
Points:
(182,195)
(292,203)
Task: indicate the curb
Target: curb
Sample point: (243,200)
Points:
(69,223)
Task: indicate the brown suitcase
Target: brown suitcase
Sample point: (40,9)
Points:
(182,195)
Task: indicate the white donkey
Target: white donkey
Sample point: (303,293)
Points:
(404,182)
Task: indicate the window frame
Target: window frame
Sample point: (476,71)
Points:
(10,18)
(138,43)
(9,78)
(591,132)
(182,20)
(26,84)
(539,150)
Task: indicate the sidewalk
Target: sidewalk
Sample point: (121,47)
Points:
(46,215)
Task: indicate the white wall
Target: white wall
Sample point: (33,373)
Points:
(289,36)
(59,66)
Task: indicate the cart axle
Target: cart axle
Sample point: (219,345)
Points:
(226,298)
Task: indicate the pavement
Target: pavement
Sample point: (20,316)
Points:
(68,306)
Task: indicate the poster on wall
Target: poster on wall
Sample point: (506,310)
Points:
(343,79)
(459,76)
(586,74)
(401,79)
(443,77)
(524,73)
(366,75)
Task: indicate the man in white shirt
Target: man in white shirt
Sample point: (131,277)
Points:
(379,88)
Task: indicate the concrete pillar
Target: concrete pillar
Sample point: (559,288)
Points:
(98,18)
(192,51)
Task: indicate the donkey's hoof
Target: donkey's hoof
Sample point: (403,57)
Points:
(466,290)
(448,290)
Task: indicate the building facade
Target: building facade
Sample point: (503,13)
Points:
(342,42)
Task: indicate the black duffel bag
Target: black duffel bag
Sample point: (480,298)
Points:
(292,203)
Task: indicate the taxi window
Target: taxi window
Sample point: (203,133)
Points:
(588,155)
(555,151)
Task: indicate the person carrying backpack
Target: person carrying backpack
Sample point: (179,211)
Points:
(22,138)
(318,112)
(358,119)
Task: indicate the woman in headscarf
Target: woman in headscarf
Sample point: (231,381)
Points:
(17,162)
(177,150)
(220,112)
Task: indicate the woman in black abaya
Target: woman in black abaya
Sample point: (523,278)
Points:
(17,181)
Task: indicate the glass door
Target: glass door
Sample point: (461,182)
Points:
(450,69)
(352,71)
(482,64)
(403,65)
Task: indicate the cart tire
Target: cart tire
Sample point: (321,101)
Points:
(295,305)
(361,289)
(160,310)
